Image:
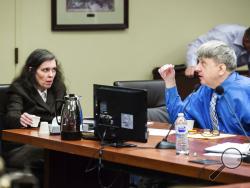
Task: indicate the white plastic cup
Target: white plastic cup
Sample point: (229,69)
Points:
(35,121)
(85,127)
(44,128)
(190,124)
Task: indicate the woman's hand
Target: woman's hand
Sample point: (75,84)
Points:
(26,119)
(167,73)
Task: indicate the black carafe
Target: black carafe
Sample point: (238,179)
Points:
(71,117)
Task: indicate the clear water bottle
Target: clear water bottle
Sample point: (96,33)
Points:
(182,147)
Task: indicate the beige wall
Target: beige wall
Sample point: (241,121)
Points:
(158,33)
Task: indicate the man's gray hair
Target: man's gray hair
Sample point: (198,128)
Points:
(220,52)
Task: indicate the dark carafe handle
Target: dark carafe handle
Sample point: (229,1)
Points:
(56,105)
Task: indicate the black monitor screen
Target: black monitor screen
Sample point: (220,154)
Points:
(120,113)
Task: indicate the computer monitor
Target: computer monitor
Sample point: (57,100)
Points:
(120,114)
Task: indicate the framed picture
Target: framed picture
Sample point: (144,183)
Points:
(76,15)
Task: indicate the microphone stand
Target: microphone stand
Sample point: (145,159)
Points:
(220,91)
(246,158)
(165,144)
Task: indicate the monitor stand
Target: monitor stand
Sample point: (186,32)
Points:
(118,144)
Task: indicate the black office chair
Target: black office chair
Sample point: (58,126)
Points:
(155,97)
(3,102)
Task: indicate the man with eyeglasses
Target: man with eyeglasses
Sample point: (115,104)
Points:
(226,111)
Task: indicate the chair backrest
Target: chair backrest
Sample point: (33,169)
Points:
(155,97)
(3,102)
(155,90)
(3,98)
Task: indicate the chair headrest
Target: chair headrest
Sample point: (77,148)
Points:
(155,90)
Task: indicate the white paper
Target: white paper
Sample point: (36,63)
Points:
(200,136)
(213,154)
(88,121)
(220,148)
(159,132)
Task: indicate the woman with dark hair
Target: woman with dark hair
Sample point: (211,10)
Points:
(34,92)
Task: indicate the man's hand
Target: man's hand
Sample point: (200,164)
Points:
(189,72)
(167,73)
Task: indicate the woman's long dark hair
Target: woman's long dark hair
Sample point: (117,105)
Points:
(35,59)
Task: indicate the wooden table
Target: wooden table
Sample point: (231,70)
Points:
(238,185)
(144,156)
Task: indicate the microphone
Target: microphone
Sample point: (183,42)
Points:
(220,91)
(164,144)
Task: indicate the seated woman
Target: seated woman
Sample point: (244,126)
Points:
(33,92)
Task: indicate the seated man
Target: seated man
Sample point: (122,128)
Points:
(216,67)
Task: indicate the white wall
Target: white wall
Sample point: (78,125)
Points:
(158,33)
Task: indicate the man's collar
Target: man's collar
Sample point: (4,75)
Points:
(229,79)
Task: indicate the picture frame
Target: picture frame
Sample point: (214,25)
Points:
(80,15)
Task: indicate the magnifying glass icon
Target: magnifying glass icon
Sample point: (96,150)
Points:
(230,158)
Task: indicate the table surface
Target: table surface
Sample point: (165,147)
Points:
(143,156)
